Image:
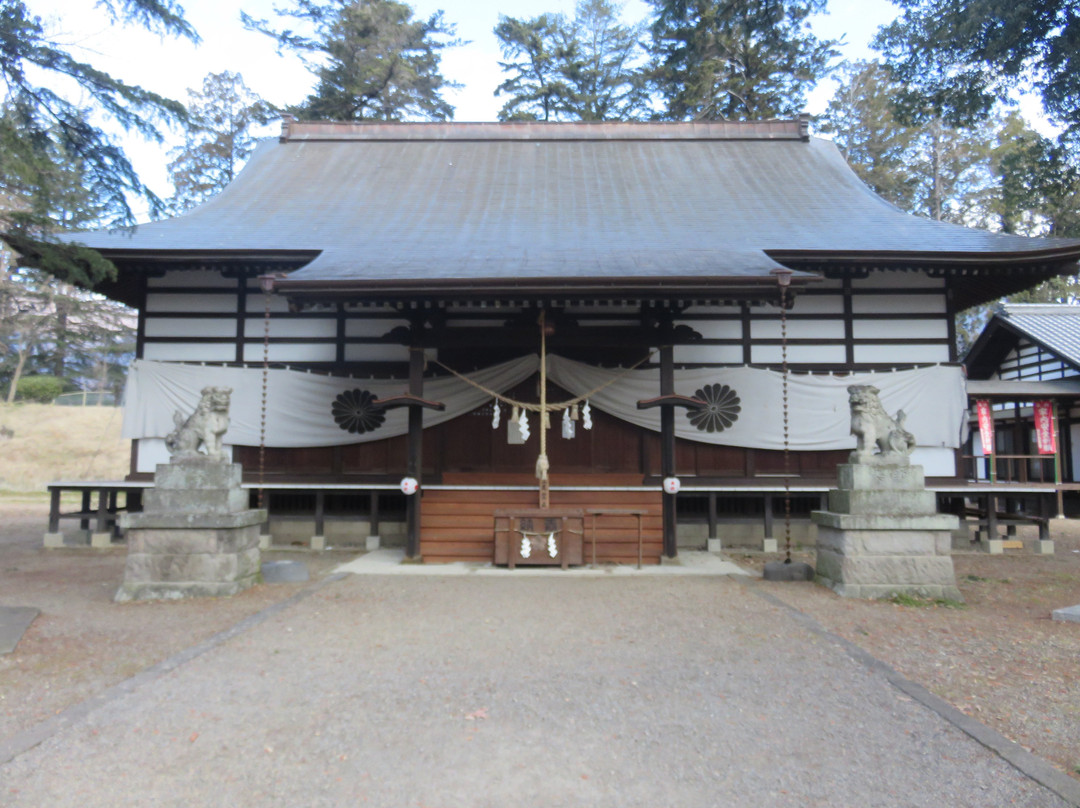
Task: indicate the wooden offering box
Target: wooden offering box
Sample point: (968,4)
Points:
(539,536)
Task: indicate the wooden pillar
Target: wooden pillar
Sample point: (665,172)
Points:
(54,510)
(667,438)
(416,442)
(373,514)
(84,521)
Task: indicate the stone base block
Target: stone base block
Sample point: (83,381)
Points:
(879,591)
(102,541)
(1044,547)
(264,541)
(888,501)
(54,540)
(172,541)
(195,500)
(317,543)
(181,589)
(881,477)
(714,545)
(768,545)
(903,570)
(995,546)
(198,473)
(372,543)
(885,542)
(874,576)
(169,568)
(168,564)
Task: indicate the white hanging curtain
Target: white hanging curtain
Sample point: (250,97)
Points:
(298,408)
(934,399)
(297,403)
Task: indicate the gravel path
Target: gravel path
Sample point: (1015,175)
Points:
(431,691)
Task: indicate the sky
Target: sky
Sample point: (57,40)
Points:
(170,67)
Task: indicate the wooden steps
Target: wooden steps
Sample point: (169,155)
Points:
(459,525)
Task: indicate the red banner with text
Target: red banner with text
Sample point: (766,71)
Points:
(1044,427)
(986,426)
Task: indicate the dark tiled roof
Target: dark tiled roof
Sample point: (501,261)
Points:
(1054,326)
(443,202)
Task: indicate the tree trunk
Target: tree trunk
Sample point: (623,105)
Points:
(16,374)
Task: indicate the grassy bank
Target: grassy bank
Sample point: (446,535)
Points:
(60,443)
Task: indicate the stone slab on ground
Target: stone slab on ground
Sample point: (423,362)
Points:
(14,621)
(284,572)
(391,561)
(1070,614)
(788,571)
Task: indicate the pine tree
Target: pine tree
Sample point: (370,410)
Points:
(956,59)
(217,140)
(588,68)
(39,125)
(736,59)
(373,60)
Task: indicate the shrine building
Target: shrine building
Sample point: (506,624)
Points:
(534,320)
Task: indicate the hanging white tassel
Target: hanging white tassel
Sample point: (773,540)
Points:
(496,416)
(553,549)
(523,425)
(586,415)
(526,547)
(569,428)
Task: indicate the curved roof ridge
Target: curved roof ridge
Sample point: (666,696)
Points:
(774,129)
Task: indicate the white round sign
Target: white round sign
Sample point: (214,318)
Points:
(409,485)
(672,485)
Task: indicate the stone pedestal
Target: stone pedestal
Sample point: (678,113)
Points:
(882,534)
(195,537)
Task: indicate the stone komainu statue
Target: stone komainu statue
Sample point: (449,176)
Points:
(203,429)
(874,429)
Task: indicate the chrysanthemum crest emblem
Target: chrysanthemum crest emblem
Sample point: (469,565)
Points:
(721,410)
(356,411)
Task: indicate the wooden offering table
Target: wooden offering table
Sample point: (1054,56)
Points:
(539,536)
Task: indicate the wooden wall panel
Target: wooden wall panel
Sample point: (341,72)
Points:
(460,525)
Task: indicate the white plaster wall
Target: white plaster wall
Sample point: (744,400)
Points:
(311,352)
(798,329)
(901,354)
(880,328)
(190,327)
(306,327)
(708,354)
(191,352)
(808,354)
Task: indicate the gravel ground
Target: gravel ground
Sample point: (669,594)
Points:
(466,691)
(451,692)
